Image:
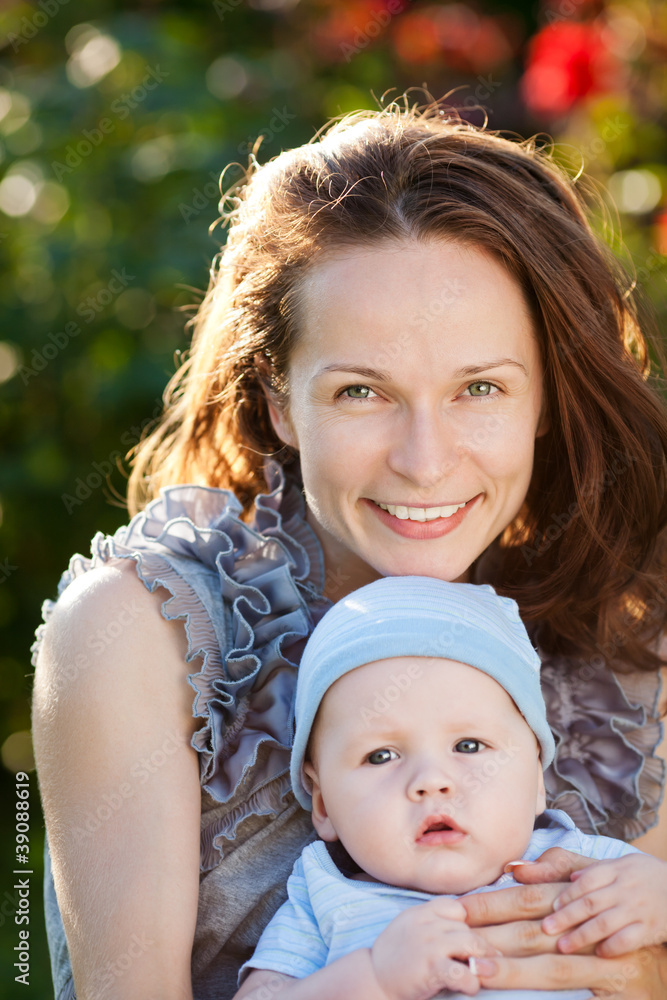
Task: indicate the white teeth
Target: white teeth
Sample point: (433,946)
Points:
(420,513)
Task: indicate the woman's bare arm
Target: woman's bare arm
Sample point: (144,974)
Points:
(112,723)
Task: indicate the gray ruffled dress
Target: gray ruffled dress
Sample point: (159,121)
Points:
(248,596)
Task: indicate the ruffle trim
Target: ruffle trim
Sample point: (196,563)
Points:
(605,774)
(269,576)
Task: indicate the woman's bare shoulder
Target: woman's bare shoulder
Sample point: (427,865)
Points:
(106,618)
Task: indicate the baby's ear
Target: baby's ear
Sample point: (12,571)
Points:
(321,820)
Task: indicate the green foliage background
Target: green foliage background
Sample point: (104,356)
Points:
(118,241)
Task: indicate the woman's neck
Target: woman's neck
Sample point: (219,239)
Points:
(343,570)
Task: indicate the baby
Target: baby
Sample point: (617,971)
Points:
(420,742)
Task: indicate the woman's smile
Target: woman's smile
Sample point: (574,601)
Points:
(421,522)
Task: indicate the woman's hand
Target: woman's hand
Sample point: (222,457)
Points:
(511,921)
(619,905)
(639,976)
(512,918)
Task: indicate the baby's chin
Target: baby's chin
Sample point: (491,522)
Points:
(439,884)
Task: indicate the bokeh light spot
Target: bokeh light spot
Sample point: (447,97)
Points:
(226,77)
(93,56)
(17,753)
(135,308)
(10,359)
(152,161)
(18,194)
(635,191)
(51,204)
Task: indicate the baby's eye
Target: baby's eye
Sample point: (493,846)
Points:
(482,389)
(381,756)
(468,746)
(357,392)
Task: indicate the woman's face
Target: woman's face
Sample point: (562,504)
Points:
(415,397)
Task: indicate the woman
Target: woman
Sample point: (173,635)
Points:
(412,326)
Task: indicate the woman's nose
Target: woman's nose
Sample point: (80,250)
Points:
(424,450)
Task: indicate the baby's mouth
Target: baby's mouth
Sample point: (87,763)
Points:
(439,829)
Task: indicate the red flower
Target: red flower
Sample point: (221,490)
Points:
(351,26)
(567,62)
(660,238)
(455,35)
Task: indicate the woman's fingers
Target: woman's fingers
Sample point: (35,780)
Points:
(520,938)
(554,865)
(517,903)
(613,977)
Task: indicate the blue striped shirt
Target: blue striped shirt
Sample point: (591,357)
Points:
(328,915)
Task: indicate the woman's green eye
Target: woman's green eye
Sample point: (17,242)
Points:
(357,391)
(468,746)
(380,756)
(481,388)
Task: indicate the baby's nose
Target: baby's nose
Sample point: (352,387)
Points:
(430,779)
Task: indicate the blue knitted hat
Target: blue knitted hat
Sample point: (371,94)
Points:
(419,616)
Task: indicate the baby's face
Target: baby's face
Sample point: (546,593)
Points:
(427,772)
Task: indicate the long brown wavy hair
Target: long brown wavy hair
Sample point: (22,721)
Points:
(586,556)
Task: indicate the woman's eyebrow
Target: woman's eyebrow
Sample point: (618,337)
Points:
(376,374)
(486,365)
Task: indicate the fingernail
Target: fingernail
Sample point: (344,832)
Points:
(549,925)
(511,865)
(482,966)
(557,904)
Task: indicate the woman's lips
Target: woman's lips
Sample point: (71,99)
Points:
(421,529)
